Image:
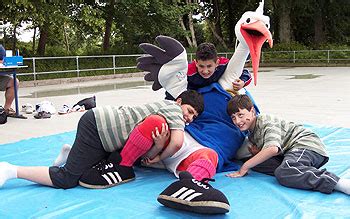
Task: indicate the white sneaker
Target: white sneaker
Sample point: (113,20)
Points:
(28,108)
(64,110)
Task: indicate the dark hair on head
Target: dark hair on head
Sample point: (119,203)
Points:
(193,98)
(206,51)
(241,101)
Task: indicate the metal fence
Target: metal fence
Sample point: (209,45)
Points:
(80,66)
(304,56)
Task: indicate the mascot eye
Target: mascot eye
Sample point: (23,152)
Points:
(267,25)
(248,20)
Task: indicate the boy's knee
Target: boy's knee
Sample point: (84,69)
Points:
(280,175)
(62,179)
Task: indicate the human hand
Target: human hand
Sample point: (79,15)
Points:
(253,149)
(240,173)
(148,161)
(160,138)
(237,84)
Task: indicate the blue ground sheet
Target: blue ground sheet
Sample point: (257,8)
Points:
(253,196)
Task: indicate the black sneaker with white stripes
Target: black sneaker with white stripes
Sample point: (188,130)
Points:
(107,173)
(189,194)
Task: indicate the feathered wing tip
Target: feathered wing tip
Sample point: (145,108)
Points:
(166,64)
(260,9)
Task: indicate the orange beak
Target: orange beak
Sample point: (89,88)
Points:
(255,34)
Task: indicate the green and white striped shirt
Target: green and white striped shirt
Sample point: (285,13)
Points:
(273,131)
(114,124)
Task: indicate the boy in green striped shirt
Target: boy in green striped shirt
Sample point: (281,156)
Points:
(302,150)
(104,130)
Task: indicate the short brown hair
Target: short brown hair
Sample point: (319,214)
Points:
(206,51)
(193,98)
(241,101)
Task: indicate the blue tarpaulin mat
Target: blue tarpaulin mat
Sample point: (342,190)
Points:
(253,196)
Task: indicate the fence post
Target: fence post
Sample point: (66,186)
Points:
(77,61)
(293,56)
(34,72)
(114,64)
(327,56)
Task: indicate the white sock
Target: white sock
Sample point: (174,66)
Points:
(63,155)
(343,185)
(7,171)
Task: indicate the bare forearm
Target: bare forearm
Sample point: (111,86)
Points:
(154,151)
(177,139)
(260,157)
(170,150)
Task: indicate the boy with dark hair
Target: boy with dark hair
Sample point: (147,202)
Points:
(208,68)
(103,130)
(303,151)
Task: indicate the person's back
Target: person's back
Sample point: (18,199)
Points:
(288,135)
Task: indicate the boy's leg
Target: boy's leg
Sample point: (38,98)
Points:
(35,174)
(201,164)
(269,166)
(299,169)
(140,139)
(87,150)
(117,168)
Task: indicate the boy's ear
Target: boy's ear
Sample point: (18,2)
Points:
(179,101)
(217,61)
(252,110)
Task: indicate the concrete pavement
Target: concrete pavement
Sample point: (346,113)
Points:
(312,95)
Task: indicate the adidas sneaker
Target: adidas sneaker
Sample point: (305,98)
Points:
(107,173)
(189,194)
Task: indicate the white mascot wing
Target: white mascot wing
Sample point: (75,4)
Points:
(167,65)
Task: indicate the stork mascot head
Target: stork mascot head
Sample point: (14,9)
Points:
(252,30)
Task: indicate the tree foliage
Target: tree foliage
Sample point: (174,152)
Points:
(118,26)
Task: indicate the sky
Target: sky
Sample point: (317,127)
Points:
(22,34)
(26,35)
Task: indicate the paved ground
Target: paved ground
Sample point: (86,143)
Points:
(317,96)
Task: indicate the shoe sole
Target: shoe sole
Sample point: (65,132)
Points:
(202,207)
(89,186)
